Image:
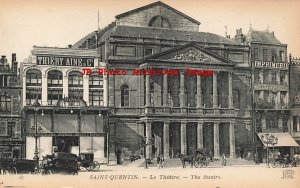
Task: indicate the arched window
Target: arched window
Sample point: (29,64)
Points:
(75,79)
(236,98)
(5,104)
(55,78)
(159,21)
(75,85)
(124,95)
(33,78)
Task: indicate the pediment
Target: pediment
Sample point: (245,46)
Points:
(191,53)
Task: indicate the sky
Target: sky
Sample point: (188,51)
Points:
(24,24)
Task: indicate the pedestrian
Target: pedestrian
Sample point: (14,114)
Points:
(211,155)
(224,160)
(161,161)
(158,160)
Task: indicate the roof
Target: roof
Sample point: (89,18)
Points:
(151,32)
(262,37)
(160,33)
(284,139)
(158,3)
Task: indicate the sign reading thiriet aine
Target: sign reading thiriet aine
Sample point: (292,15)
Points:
(65,61)
(270,64)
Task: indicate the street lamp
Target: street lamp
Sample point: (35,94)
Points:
(36,106)
(269,139)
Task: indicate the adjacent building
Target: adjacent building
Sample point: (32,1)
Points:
(71,115)
(295,100)
(11,139)
(270,89)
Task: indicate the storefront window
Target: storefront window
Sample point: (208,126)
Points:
(54,96)
(33,78)
(32,95)
(75,79)
(96,98)
(96,81)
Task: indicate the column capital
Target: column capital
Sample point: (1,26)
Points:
(216,122)
(167,121)
(184,122)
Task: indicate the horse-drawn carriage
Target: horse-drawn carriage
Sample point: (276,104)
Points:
(86,160)
(197,159)
(15,166)
(60,162)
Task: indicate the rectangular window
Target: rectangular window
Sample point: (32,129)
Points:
(76,94)
(281,55)
(54,96)
(96,98)
(255,53)
(31,96)
(96,82)
(3,128)
(274,56)
(265,55)
(273,76)
(282,77)
(148,51)
(33,79)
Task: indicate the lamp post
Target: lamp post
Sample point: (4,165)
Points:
(36,106)
(269,139)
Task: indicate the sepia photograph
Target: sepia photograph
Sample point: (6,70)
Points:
(146,93)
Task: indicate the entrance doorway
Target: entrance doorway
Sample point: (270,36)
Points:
(65,143)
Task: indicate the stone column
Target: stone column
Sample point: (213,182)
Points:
(182,93)
(200,135)
(215,88)
(183,138)
(216,140)
(148,90)
(105,90)
(148,138)
(166,139)
(111,88)
(298,124)
(44,89)
(85,83)
(230,96)
(263,122)
(232,139)
(199,93)
(65,86)
(165,90)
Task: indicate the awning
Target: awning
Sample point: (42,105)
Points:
(284,139)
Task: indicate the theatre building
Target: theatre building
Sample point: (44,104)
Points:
(173,113)
(270,70)
(64,110)
(11,139)
(295,100)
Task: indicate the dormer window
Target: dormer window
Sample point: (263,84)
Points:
(159,21)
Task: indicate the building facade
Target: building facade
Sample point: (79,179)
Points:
(173,113)
(71,114)
(270,89)
(295,100)
(11,140)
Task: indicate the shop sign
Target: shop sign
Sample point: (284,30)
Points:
(67,102)
(270,64)
(65,61)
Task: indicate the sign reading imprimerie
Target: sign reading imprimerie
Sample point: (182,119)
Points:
(65,61)
(270,64)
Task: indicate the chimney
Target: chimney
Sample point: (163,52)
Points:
(70,46)
(15,67)
(13,58)
(3,60)
(272,33)
(239,37)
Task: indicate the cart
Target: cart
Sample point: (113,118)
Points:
(16,166)
(200,158)
(86,160)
